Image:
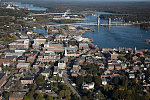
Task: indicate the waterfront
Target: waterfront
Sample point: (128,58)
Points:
(114,36)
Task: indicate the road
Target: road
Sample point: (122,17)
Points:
(65,77)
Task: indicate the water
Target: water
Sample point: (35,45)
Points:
(108,37)
(118,36)
(29,6)
(114,36)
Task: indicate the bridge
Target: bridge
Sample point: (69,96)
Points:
(110,23)
(46,14)
(89,24)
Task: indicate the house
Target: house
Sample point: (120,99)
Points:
(83,46)
(46,72)
(118,66)
(6,64)
(23,65)
(17,96)
(2,79)
(37,64)
(36,45)
(45,87)
(104,82)
(20,51)
(113,55)
(101,66)
(88,86)
(27,80)
(61,65)
(56,70)
(131,76)
(21,59)
(111,66)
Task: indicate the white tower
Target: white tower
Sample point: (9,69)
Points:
(65,52)
(98,21)
(109,21)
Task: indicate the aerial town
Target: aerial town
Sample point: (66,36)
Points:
(64,65)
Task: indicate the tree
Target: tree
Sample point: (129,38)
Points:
(67,93)
(88,78)
(7,95)
(97,80)
(49,98)
(116,81)
(121,58)
(84,98)
(68,98)
(40,79)
(56,78)
(39,97)
(100,96)
(74,97)
(79,80)
(29,96)
(62,93)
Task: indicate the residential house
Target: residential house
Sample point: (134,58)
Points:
(61,65)
(104,81)
(88,86)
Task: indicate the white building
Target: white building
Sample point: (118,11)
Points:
(61,65)
(23,65)
(104,82)
(88,86)
(131,76)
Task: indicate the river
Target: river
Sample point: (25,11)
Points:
(118,36)
(29,6)
(111,37)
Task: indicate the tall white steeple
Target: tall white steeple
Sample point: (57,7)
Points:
(65,52)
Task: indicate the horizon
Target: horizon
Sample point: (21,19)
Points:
(85,0)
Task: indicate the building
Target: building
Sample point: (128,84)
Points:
(37,43)
(20,44)
(27,80)
(23,65)
(21,59)
(61,65)
(52,45)
(104,82)
(37,64)
(40,41)
(48,57)
(88,86)
(83,46)
(46,72)
(131,76)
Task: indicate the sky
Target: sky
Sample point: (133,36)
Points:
(88,0)
(96,0)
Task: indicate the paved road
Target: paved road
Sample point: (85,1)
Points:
(69,85)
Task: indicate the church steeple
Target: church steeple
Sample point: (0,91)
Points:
(135,50)
(65,52)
